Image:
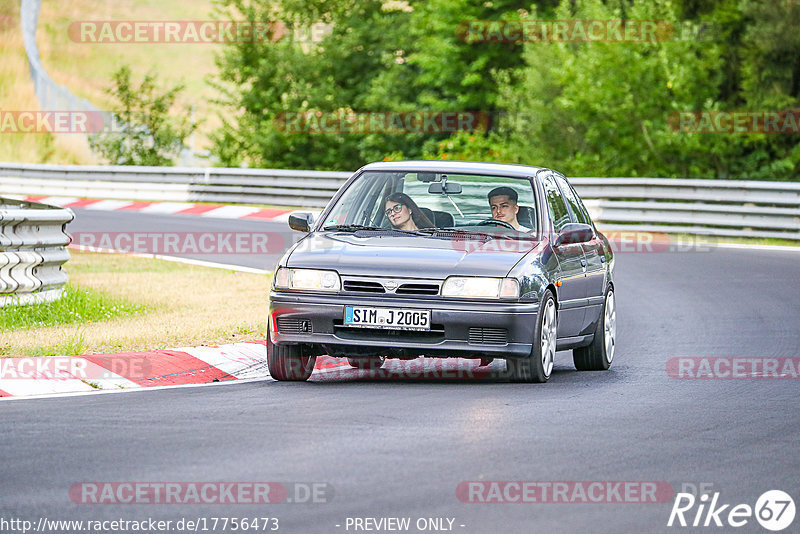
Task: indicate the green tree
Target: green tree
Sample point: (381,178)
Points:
(146,129)
(380,56)
(604,108)
(601,108)
(588,108)
(263,82)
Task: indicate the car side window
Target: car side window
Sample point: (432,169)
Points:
(578,211)
(558,208)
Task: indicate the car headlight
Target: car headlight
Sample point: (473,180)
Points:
(307,279)
(481,288)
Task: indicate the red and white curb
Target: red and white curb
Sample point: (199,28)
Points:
(46,375)
(53,376)
(168,208)
(64,375)
(59,375)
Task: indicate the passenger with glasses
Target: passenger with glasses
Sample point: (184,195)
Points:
(404,214)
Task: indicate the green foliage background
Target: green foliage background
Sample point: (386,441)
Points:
(585,108)
(146,132)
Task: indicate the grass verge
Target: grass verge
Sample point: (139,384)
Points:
(78,305)
(159,304)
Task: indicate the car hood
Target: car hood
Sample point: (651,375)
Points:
(407,256)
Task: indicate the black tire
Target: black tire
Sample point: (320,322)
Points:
(533,368)
(369,363)
(286,362)
(599,355)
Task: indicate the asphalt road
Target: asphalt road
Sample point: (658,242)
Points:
(400,448)
(121,229)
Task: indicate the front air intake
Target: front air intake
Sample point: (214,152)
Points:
(488,336)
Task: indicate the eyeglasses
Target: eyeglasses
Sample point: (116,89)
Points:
(394,209)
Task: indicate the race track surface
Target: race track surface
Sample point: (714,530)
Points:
(400,447)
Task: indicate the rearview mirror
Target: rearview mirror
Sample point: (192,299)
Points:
(301,221)
(450,188)
(574,233)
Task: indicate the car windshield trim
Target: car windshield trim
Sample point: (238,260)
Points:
(360,227)
(462,230)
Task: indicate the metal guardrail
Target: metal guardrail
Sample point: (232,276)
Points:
(51,95)
(731,208)
(722,208)
(276,187)
(33,242)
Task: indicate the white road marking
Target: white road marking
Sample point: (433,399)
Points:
(59,201)
(166,207)
(230,212)
(108,205)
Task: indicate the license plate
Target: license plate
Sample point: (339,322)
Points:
(389,318)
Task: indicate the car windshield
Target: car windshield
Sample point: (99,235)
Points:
(421,201)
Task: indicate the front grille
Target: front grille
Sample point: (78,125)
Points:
(363,286)
(292,325)
(488,336)
(418,289)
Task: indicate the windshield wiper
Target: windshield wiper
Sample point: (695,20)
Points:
(455,230)
(357,227)
(351,227)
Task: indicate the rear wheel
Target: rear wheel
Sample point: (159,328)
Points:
(598,355)
(539,364)
(366,362)
(286,362)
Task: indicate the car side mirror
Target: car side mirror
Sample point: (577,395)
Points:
(574,233)
(301,221)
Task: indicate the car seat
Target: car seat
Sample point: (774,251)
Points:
(527,217)
(440,219)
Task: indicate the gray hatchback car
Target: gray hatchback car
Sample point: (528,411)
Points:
(445,259)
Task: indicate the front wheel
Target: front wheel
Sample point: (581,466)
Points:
(369,363)
(539,364)
(286,362)
(598,355)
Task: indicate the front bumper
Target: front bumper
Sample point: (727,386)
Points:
(459,328)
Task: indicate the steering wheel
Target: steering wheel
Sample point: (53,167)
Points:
(498,222)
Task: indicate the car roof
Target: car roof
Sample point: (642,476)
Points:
(461,167)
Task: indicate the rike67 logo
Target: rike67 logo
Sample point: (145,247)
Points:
(774,510)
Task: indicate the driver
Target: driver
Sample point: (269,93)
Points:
(503,202)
